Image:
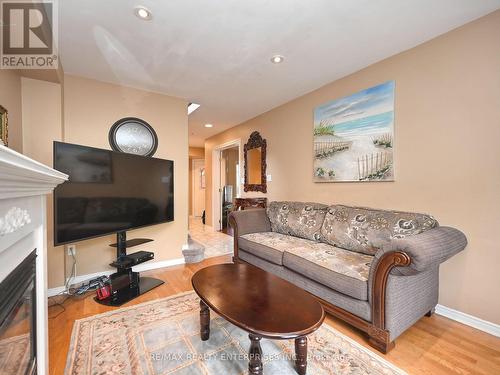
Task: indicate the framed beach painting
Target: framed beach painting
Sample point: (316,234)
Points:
(354,137)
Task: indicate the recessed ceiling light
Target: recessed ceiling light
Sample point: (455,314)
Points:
(209,126)
(192,107)
(276,59)
(143,13)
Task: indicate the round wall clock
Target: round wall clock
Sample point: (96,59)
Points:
(134,136)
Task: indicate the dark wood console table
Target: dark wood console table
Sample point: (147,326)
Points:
(242,203)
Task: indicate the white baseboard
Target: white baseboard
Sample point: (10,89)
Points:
(160,264)
(55,291)
(461,317)
(140,268)
(81,278)
(469,320)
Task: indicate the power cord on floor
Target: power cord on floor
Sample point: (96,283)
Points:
(80,292)
(57,303)
(66,291)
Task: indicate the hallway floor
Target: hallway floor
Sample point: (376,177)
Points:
(216,243)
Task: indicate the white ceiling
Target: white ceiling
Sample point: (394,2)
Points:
(217,52)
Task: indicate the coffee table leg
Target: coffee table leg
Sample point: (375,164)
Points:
(204,321)
(301,355)
(255,356)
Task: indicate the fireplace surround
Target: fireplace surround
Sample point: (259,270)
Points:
(24,186)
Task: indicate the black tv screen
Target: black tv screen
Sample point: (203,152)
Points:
(109,192)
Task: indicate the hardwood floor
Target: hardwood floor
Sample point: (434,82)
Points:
(434,345)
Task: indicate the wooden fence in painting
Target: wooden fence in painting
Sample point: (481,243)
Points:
(326,122)
(327,148)
(384,140)
(374,166)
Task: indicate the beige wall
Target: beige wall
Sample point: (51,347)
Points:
(447,131)
(42,124)
(10,99)
(90,108)
(194,153)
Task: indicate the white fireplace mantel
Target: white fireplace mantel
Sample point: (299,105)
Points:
(24,184)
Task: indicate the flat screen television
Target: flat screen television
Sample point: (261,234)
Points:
(109,192)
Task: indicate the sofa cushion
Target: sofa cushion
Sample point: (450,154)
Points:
(353,305)
(342,270)
(366,230)
(297,219)
(270,245)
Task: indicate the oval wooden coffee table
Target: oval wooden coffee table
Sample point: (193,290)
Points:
(261,304)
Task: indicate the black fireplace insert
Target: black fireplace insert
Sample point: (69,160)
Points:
(18,319)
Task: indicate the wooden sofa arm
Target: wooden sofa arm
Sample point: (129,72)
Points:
(411,255)
(379,336)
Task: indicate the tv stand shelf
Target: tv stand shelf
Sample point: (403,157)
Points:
(125,283)
(134,242)
(130,260)
(128,294)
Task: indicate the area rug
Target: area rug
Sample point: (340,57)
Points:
(15,354)
(162,337)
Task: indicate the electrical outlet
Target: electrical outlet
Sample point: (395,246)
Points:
(269,178)
(71,250)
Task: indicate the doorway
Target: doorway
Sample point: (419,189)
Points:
(226,183)
(230,170)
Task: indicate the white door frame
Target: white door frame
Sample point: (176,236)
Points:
(193,185)
(216,175)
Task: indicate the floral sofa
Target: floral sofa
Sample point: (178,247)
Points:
(377,270)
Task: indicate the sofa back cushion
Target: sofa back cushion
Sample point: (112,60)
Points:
(297,219)
(366,230)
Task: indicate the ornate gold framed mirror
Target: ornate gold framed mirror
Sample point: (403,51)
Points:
(255,163)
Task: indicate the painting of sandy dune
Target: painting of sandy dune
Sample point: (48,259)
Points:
(354,137)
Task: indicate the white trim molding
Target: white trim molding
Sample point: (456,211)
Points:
(140,268)
(161,264)
(55,291)
(22,176)
(469,320)
(458,316)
